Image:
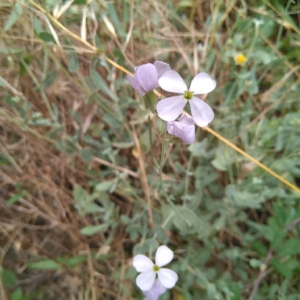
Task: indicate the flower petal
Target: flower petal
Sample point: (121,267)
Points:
(142,263)
(155,291)
(170,108)
(167,277)
(185,132)
(146,280)
(161,67)
(148,77)
(171,81)
(134,82)
(186,120)
(201,112)
(202,84)
(163,255)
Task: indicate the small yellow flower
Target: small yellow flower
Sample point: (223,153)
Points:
(240,59)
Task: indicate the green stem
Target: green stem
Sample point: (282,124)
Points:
(44,97)
(163,150)
(187,175)
(277,44)
(151,144)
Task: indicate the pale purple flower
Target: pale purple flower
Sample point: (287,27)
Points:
(146,76)
(183,129)
(170,108)
(149,270)
(155,291)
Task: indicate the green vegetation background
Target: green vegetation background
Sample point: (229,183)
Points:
(76,172)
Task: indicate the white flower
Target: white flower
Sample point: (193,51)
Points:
(149,270)
(170,108)
(155,291)
(183,129)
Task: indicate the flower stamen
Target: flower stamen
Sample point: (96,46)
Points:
(188,95)
(156,268)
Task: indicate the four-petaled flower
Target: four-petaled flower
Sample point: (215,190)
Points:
(149,270)
(183,129)
(155,291)
(146,76)
(170,108)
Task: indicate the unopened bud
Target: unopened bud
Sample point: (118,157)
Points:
(150,101)
(160,125)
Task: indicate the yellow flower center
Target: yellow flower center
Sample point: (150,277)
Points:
(240,59)
(156,268)
(188,95)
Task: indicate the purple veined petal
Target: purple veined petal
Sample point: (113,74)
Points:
(142,263)
(188,134)
(185,132)
(171,127)
(163,256)
(161,67)
(202,84)
(147,77)
(201,112)
(167,277)
(171,81)
(175,128)
(155,291)
(186,120)
(146,280)
(134,82)
(170,108)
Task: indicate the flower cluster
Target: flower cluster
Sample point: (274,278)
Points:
(146,281)
(149,76)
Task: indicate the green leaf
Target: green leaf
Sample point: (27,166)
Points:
(186,220)
(91,230)
(243,198)
(8,277)
(93,208)
(17,295)
(49,264)
(199,149)
(72,261)
(80,2)
(73,62)
(100,85)
(149,245)
(123,145)
(80,194)
(255,263)
(211,291)
(220,222)
(46,264)
(14,16)
(185,4)
(281,268)
(46,36)
(10,51)
(290,247)
(104,186)
(16,197)
(49,80)
(225,156)
(37,25)
(201,278)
